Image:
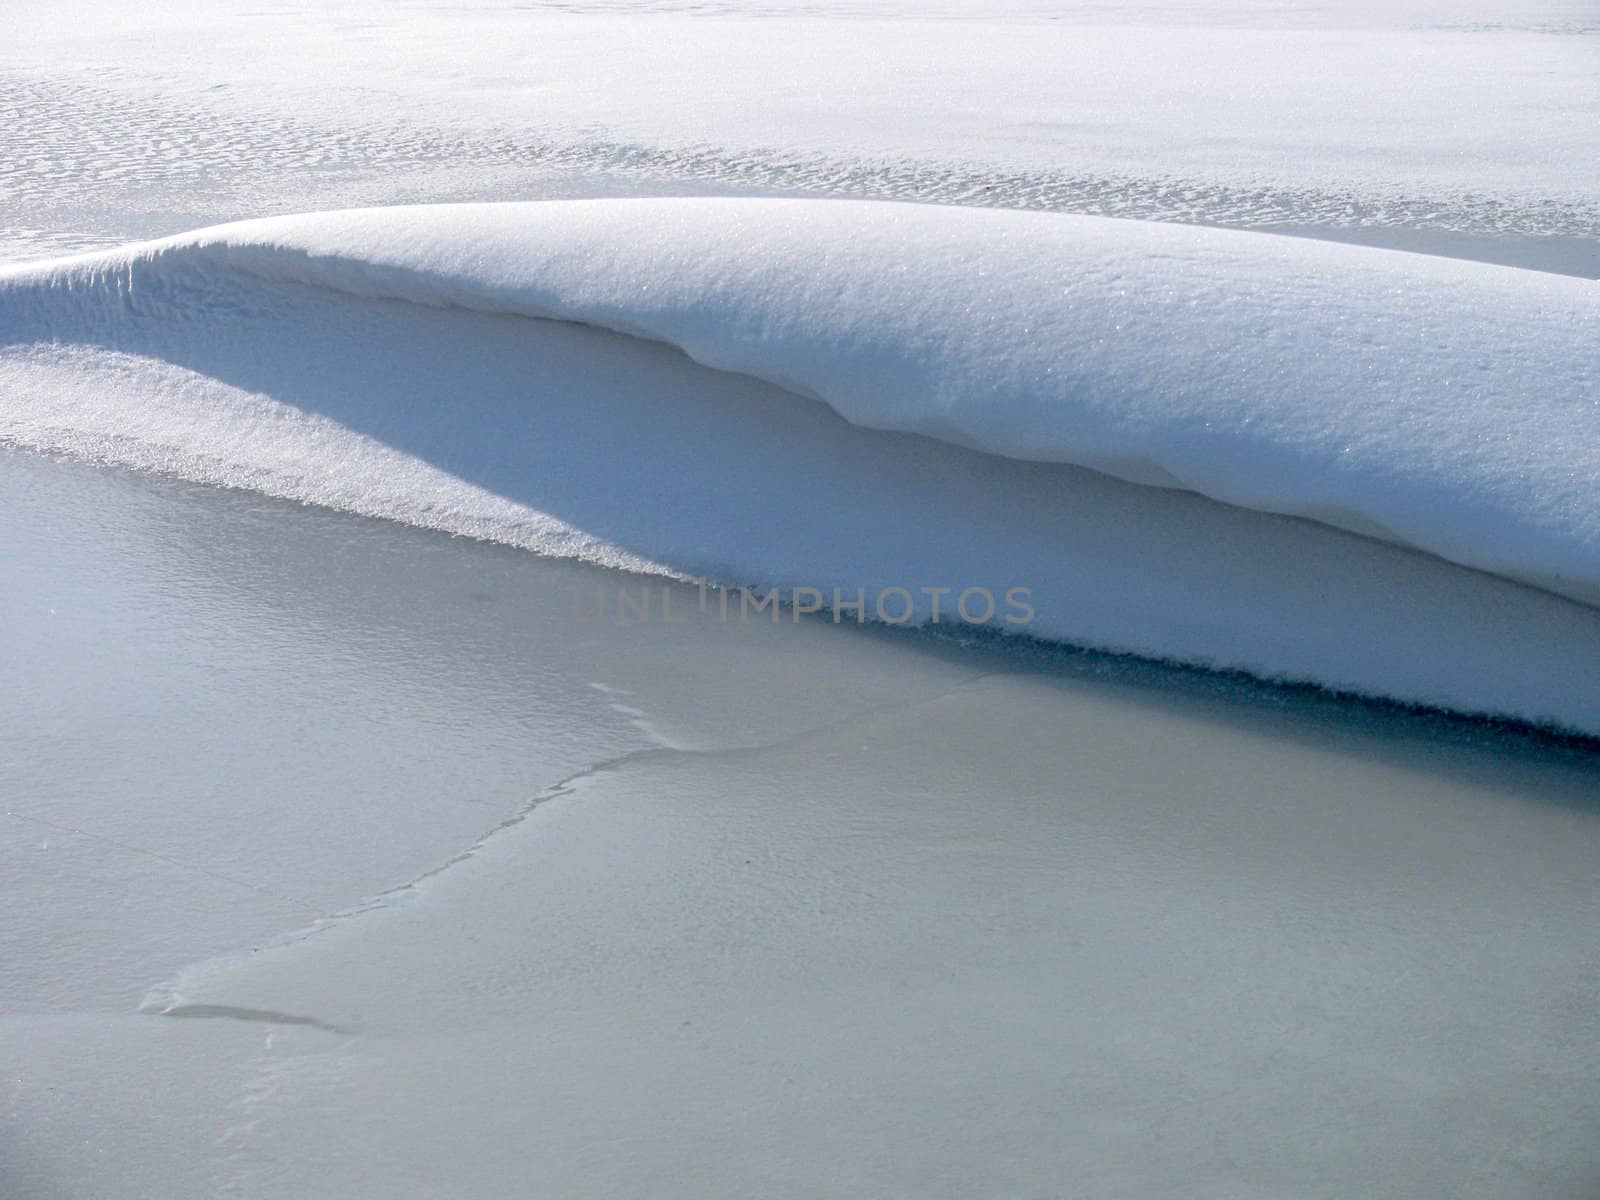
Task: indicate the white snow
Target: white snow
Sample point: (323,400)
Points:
(436,886)
(1436,404)
(1419,97)
(1459,128)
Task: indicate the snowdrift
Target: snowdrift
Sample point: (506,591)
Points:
(382,360)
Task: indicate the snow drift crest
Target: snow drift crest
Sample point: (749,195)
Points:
(377,360)
(1449,406)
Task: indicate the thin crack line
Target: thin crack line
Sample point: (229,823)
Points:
(167,999)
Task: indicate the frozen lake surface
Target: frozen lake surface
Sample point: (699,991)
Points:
(227,716)
(717,908)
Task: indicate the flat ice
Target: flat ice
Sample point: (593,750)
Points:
(1028,938)
(223,717)
(710,909)
(401,362)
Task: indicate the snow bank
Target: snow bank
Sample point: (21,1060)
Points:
(1444,405)
(1437,405)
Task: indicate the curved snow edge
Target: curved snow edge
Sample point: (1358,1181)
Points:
(1443,405)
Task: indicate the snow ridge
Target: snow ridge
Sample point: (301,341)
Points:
(1443,405)
(1046,402)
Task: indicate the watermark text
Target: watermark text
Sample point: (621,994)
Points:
(678,604)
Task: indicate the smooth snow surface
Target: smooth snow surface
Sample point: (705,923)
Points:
(1438,405)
